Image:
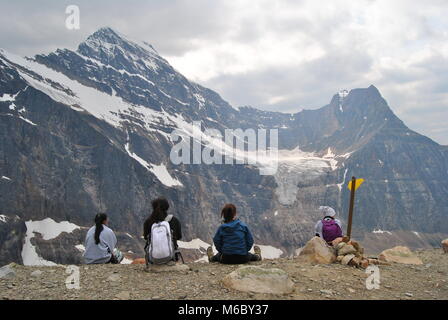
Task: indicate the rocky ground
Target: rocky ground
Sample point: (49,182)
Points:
(203,281)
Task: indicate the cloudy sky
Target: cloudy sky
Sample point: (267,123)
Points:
(274,55)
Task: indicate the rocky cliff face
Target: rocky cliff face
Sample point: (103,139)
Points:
(89,130)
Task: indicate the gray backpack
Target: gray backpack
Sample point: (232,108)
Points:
(161,248)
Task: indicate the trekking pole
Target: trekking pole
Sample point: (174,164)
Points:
(352,204)
(181,257)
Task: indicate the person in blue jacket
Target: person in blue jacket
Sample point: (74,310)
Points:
(233,240)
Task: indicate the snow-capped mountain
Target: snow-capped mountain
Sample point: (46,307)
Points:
(89,130)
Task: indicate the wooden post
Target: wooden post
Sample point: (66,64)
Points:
(350,212)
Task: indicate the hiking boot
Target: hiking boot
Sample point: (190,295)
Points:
(210,254)
(257,251)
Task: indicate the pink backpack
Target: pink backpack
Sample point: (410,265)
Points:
(330,230)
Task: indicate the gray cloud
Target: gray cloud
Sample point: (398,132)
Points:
(275,55)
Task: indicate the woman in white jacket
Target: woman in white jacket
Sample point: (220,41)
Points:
(101,243)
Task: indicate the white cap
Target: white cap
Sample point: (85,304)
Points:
(327,211)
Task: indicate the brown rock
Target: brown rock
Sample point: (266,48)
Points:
(445,245)
(355,262)
(339,258)
(400,254)
(357,246)
(364,263)
(317,251)
(373,261)
(347,249)
(124,295)
(346,260)
(259,280)
(336,241)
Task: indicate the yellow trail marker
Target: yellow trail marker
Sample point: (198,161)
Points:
(354,182)
(358,183)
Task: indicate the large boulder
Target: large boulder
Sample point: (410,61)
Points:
(259,280)
(399,254)
(347,249)
(317,251)
(445,245)
(7,272)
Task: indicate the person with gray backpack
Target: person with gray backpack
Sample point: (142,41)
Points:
(161,232)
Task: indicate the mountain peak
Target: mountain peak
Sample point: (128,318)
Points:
(105,34)
(106,40)
(373,90)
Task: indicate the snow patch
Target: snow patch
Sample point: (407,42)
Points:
(164,176)
(343,180)
(379,231)
(8,97)
(49,229)
(27,120)
(3,218)
(80,247)
(160,171)
(269,252)
(143,162)
(200,99)
(126,261)
(417,234)
(342,95)
(197,244)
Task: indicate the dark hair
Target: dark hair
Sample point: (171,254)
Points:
(160,207)
(228,212)
(99,219)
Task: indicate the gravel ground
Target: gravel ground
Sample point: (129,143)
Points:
(202,281)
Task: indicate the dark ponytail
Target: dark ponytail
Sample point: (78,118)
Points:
(228,212)
(160,207)
(99,220)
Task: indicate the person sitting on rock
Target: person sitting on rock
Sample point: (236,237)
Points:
(233,240)
(101,243)
(158,247)
(328,228)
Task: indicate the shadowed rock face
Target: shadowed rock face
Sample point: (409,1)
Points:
(68,156)
(12,232)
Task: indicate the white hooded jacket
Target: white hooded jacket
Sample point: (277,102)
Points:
(326,212)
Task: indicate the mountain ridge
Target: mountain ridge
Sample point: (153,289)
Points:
(78,131)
